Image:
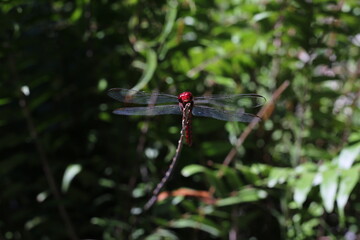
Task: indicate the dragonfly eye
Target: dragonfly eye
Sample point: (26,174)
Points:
(185,97)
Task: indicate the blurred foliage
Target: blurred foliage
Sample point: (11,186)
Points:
(295,177)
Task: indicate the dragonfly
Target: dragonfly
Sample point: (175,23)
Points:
(222,107)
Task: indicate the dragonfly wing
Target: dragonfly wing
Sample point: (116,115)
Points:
(240,116)
(138,97)
(149,111)
(234,101)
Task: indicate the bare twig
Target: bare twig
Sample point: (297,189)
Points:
(152,200)
(43,157)
(140,148)
(264,112)
(202,66)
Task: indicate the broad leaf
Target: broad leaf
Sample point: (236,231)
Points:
(302,187)
(328,188)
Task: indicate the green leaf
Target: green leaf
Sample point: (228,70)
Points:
(189,223)
(348,155)
(245,195)
(253,174)
(4,101)
(225,81)
(160,234)
(108,183)
(70,172)
(76,14)
(348,180)
(261,16)
(169,20)
(302,187)
(309,227)
(151,63)
(328,188)
(278,175)
(33,223)
(192,169)
(212,178)
(232,177)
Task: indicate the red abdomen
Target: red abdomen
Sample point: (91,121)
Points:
(188,130)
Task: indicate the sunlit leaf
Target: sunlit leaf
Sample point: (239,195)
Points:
(348,179)
(302,187)
(108,183)
(33,223)
(310,226)
(169,20)
(189,223)
(151,63)
(328,188)
(228,82)
(160,234)
(261,16)
(192,169)
(278,175)
(245,195)
(348,156)
(76,14)
(70,172)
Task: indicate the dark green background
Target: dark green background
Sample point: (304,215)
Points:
(295,177)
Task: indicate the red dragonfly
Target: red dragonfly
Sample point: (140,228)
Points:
(223,107)
(228,108)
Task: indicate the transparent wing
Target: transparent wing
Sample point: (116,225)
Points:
(232,101)
(138,97)
(149,111)
(234,116)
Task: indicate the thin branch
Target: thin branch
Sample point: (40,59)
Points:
(44,160)
(265,113)
(140,150)
(192,72)
(161,184)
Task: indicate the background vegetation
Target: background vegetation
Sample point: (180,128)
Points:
(71,170)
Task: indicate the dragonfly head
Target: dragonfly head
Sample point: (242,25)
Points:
(185,97)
